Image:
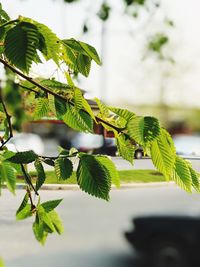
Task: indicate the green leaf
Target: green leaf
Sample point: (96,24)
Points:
(163,153)
(195,179)
(45,219)
(88,109)
(51,205)
(42,108)
(39,232)
(56,221)
(40,173)
(125,148)
(78,98)
(49,162)
(78,120)
(51,46)
(123,113)
(2,263)
(104,110)
(23,204)
(91,52)
(60,106)
(24,157)
(8,174)
(182,175)
(63,168)
(84,64)
(110,169)
(21,43)
(53,84)
(92,177)
(143,129)
(24,213)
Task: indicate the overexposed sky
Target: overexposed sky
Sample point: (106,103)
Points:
(126,77)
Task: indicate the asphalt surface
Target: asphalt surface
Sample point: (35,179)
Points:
(94,228)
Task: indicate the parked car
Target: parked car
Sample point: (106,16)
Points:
(187,145)
(26,141)
(167,241)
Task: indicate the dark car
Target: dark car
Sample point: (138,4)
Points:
(167,241)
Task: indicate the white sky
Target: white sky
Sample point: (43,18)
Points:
(127,78)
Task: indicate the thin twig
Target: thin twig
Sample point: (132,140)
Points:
(30,197)
(8,117)
(28,179)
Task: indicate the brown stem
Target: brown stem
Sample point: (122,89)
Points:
(45,89)
(8,117)
(30,197)
(28,180)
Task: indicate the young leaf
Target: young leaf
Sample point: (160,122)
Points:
(78,98)
(123,113)
(125,148)
(45,219)
(8,174)
(42,108)
(163,154)
(110,169)
(92,177)
(56,221)
(39,232)
(104,110)
(51,205)
(143,129)
(21,43)
(24,157)
(24,213)
(60,106)
(78,120)
(195,179)
(63,168)
(182,175)
(91,52)
(23,204)
(40,173)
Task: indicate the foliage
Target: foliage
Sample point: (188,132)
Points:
(25,42)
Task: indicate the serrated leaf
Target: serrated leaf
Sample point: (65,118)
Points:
(123,113)
(51,205)
(104,110)
(21,43)
(163,153)
(56,222)
(24,157)
(42,108)
(125,148)
(78,120)
(8,174)
(41,176)
(23,204)
(143,129)
(78,98)
(195,179)
(60,106)
(45,219)
(84,64)
(182,175)
(110,168)
(63,168)
(92,177)
(39,232)
(87,108)
(53,84)
(24,213)
(91,51)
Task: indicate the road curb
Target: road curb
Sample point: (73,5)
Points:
(76,187)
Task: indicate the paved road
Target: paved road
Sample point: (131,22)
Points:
(94,228)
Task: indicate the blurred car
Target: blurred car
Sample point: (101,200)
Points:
(26,141)
(167,241)
(187,145)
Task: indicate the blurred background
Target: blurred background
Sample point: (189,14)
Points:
(150,54)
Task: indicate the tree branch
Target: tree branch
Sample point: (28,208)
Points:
(28,179)
(8,117)
(47,90)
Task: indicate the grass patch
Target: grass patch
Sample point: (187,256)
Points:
(127,176)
